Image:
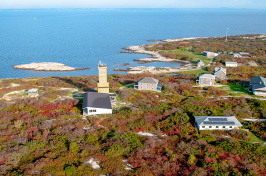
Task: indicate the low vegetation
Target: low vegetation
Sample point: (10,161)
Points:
(153,135)
(46,135)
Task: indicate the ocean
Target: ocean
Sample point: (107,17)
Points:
(83,37)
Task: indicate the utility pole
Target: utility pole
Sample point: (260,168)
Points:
(226,34)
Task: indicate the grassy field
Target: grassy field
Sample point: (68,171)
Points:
(198,71)
(196,56)
(236,89)
(255,138)
(130,86)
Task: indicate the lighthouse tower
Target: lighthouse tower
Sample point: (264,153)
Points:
(103,84)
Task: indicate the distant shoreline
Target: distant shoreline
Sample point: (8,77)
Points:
(156,57)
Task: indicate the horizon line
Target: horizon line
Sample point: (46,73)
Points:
(62,8)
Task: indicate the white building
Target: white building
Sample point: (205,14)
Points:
(209,54)
(216,122)
(95,103)
(231,64)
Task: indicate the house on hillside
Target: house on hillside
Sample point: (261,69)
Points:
(95,103)
(148,83)
(258,85)
(206,80)
(216,122)
(231,64)
(220,73)
(209,54)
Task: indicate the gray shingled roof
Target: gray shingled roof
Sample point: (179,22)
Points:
(217,120)
(216,69)
(210,76)
(96,100)
(257,82)
(148,80)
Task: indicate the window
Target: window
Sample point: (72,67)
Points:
(92,110)
(223,126)
(210,126)
(217,126)
(203,126)
(230,127)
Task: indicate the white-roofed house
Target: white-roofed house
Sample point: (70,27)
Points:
(148,83)
(216,122)
(206,80)
(231,64)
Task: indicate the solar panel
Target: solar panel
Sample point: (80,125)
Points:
(218,123)
(218,119)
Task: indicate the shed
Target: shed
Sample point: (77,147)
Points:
(231,64)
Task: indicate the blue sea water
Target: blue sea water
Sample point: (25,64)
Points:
(83,37)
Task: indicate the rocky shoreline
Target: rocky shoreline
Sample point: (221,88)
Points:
(155,57)
(47,66)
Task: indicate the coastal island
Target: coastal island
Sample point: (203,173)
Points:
(47,66)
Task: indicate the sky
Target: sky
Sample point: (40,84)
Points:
(21,4)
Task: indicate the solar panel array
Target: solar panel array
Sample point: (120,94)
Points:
(218,119)
(219,123)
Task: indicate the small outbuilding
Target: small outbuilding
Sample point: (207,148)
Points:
(200,63)
(32,92)
(148,83)
(95,103)
(236,55)
(216,122)
(231,64)
(258,85)
(206,80)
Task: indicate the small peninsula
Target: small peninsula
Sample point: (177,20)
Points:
(47,66)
